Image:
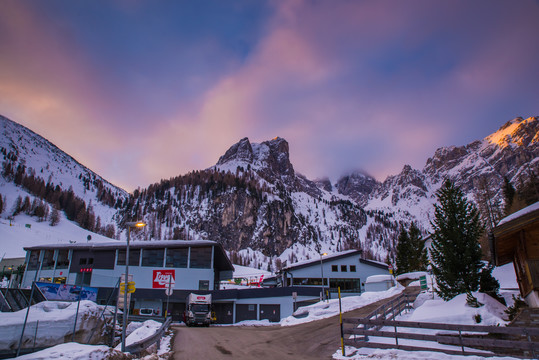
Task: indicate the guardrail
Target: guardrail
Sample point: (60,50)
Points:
(140,345)
(516,338)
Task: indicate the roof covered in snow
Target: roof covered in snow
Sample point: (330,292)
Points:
(324,258)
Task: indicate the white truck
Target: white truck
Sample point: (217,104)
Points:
(198,310)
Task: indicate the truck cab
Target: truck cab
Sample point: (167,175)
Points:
(198,310)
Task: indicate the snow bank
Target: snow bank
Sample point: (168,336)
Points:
(455,311)
(73,351)
(144,331)
(391,354)
(322,310)
(54,321)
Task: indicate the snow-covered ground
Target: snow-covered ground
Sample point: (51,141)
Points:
(49,323)
(434,310)
(24,231)
(430,308)
(427,309)
(74,351)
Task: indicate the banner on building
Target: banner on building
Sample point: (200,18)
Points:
(162,278)
(67,292)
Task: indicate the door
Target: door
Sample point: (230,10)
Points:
(246,312)
(224,312)
(272,312)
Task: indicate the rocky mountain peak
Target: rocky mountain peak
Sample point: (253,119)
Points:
(519,132)
(278,157)
(358,185)
(241,151)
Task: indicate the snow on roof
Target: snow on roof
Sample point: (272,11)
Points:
(118,243)
(526,210)
(378,278)
(324,258)
(245,271)
(412,275)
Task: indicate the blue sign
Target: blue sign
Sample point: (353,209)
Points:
(67,292)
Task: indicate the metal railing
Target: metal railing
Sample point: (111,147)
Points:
(141,345)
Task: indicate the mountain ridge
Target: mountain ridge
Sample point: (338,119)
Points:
(263,211)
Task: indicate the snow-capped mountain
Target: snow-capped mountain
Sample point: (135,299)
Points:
(478,168)
(260,208)
(40,170)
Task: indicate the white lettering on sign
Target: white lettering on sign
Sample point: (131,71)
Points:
(161,278)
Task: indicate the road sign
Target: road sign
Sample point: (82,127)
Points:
(130,287)
(390,268)
(169,286)
(423,282)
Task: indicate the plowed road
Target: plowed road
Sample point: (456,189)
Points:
(314,340)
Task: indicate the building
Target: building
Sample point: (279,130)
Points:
(193,266)
(516,239)
(347,270)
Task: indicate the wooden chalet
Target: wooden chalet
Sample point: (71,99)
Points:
(516,239)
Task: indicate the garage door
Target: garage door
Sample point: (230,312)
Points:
(246,312)
(272,312)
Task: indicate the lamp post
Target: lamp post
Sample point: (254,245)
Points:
(322,273)
(133,224)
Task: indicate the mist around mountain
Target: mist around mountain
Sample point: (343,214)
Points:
(256,204)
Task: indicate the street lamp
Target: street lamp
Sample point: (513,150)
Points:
(322,272)
(132,224)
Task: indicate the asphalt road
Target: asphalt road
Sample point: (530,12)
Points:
(315,340)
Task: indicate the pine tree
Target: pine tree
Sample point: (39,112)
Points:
(411,252)
(404,250)
(55,217)
(509,193)
(418,259)
(456,253)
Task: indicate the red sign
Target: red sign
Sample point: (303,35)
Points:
(161,278)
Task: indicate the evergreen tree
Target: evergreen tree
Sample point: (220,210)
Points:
(404,250)
(509,193)
(411,252)
(418,258)
(456,253)
(55,217)
(1,204)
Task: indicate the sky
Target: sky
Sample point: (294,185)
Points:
(141,90)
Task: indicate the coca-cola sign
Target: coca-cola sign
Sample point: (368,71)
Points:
(161,278)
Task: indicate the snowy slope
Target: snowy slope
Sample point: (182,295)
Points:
(20,146)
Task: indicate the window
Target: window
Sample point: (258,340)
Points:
(134,257)
(48,260)
(344,268)
(153,257)
(310,281)
(82,261)
(33,261)
(62,262)
(45,279)
(83,279)
(346,285)
(201,258)
(177,258)
(352,268)
(204,285)
(60,280)
(334,268)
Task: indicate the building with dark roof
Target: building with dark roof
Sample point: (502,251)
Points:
(516,239)
(346,269)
